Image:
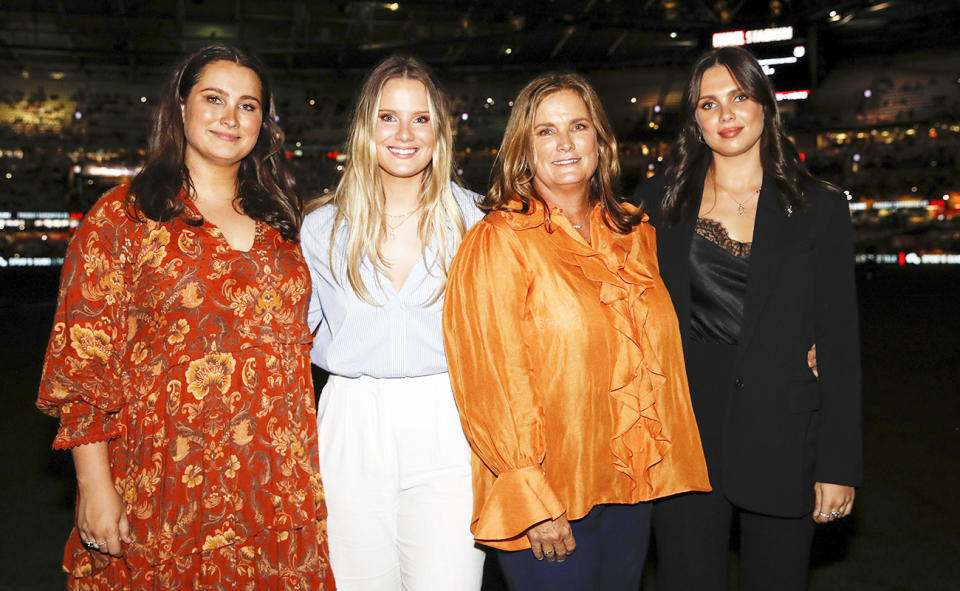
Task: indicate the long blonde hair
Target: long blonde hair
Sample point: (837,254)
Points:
(513,169)
(359,196)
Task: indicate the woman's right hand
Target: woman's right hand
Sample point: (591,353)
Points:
(552,539)
(101,520)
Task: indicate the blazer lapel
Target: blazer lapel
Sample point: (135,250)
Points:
(677,240)
(771,233)
(680,238)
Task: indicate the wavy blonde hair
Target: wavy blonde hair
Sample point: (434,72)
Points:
(513,170)
(359,196)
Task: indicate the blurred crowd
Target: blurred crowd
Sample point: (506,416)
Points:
(60,151)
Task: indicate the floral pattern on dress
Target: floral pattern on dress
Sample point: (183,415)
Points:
(191,360)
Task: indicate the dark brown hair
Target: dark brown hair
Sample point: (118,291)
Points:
(266,190)
(513,170)
(691,157)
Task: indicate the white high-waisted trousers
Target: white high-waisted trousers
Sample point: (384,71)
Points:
(396,475)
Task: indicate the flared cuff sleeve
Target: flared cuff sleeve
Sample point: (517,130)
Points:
(82,423)
(517,500)
(490,371)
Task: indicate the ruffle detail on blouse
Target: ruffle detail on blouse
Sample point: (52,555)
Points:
(638,442)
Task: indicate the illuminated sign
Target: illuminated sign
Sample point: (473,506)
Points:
(793,95)
(17,261)
(38,219)
(38,215)
(776,61)
(902,204)
(729,38)
(110,171)
(909,258)
(905,204)
(769,35)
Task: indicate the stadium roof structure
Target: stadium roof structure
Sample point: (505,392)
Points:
(135,39)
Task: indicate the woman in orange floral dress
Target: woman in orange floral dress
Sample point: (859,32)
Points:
(179,359)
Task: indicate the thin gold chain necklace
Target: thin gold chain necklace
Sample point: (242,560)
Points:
(741,205)
(392,228)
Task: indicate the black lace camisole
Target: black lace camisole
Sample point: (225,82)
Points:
(718,283)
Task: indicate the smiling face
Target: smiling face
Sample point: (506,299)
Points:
(730,120)
(404,133)
(222,115)
(564,144)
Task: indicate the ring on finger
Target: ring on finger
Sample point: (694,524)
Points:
(824,515)
(836,514)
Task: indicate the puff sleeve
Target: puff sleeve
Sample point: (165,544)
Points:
(501,411)
(82,381)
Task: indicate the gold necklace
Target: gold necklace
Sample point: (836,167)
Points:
(392,228)
(401,215)
(741,208)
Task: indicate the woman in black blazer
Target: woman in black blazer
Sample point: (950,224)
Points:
(757,256)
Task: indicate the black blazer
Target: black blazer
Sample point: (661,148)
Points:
(784,429)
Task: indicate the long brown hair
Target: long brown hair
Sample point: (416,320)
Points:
(266,188)
(691,157)
(513,170)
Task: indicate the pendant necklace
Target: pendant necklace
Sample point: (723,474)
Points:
(741,208)
(392,228)
(581,224)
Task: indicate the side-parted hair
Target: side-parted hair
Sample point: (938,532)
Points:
(359,196)
(514,168)
(266,190)
(691,157)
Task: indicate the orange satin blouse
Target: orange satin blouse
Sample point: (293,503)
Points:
(567,368)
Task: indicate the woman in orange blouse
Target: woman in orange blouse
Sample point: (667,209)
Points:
(565,355)
(179,359)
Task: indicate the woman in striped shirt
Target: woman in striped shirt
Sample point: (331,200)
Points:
(392,451)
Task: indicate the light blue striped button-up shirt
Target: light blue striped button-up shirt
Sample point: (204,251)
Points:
(402,337)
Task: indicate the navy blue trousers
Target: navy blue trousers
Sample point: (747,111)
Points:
(611,548)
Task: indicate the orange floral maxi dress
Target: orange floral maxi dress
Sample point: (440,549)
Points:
(192,361)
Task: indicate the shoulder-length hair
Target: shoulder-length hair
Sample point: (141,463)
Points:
(359,196)
(266,190)
(691,157)
(513,170)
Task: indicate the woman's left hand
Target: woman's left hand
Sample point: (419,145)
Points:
(834,501)
(552,539)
